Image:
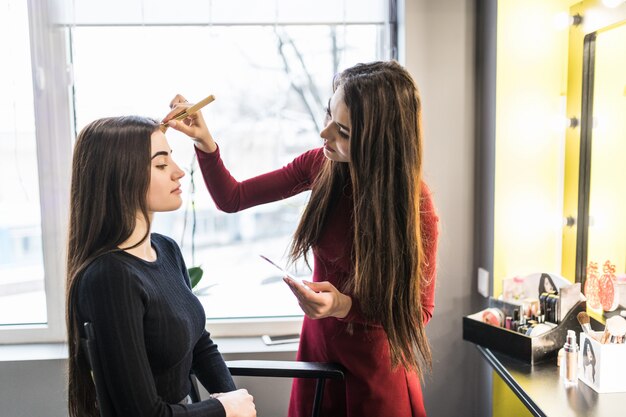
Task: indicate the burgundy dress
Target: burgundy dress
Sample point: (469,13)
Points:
(371,388)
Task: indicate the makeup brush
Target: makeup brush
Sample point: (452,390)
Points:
(583,319)
(187,112)
(585,323)
(615,327)
(606,336)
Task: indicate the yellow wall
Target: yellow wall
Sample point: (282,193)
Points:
(530,147)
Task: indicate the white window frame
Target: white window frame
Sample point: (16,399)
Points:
(52,83)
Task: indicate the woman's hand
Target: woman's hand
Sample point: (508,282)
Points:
(237,403)
(321,299)
(192,126)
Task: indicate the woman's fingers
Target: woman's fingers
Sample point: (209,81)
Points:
(175,110)
(181,127)
(177,100)
(324,286)
(314,304)
(178,104)
(293,287)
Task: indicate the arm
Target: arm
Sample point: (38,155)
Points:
(215,377)
(209,366)
(231,195)
(208,363)
(115,302)
(430,237)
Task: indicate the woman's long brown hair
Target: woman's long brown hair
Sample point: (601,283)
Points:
(385,169)
(110,179)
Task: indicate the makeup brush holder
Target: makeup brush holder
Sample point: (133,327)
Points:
(517,345)
(602,366)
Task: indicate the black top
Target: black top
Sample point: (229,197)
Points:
(150,333)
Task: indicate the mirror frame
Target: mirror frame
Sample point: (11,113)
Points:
(595,18)
(584,168)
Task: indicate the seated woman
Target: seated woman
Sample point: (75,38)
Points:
(133,285)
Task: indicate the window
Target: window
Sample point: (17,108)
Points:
(270,65)
(22,295)
(33,194)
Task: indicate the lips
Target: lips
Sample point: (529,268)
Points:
(328,148)
(176,190)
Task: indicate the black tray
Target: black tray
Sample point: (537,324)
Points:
(519,346)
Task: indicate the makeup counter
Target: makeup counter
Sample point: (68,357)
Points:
(540,388)
(541,321)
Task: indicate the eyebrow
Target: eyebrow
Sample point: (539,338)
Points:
(160,153)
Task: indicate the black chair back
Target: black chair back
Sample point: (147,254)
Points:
(105,405)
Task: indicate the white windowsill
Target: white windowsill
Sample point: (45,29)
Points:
(33,352)
(250,327)
(58,351)
(233,336)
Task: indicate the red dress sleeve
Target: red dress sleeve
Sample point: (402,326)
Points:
(430,234)
(231,195)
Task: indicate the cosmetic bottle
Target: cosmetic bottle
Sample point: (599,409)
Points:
(569,367)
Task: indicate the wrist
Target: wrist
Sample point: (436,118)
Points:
(206,146)
(345,305)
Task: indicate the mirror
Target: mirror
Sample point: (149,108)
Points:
(601,232)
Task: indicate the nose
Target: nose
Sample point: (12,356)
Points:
(177,173)
(326,132)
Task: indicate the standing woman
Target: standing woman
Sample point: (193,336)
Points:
(372,228)
(132,285)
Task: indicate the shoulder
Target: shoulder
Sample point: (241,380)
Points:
(311,160)
(427,203)
(165,242)
(165,245)
(110,272)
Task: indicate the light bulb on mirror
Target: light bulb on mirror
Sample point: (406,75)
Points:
(612,3)
(564,20)
(569,221)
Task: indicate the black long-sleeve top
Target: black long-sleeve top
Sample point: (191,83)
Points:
(150,333)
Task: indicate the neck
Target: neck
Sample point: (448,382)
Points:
(144,249)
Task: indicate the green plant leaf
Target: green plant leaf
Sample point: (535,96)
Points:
(195,275)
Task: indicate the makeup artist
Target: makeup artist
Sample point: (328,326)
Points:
(372,228)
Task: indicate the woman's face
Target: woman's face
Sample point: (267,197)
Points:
(547,285)
(336,133)
(164,190)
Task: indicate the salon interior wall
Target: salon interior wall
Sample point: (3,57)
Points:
(438,50)
(531,82)
(36,388)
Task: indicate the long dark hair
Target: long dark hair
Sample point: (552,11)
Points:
(385,170)
(110,179)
